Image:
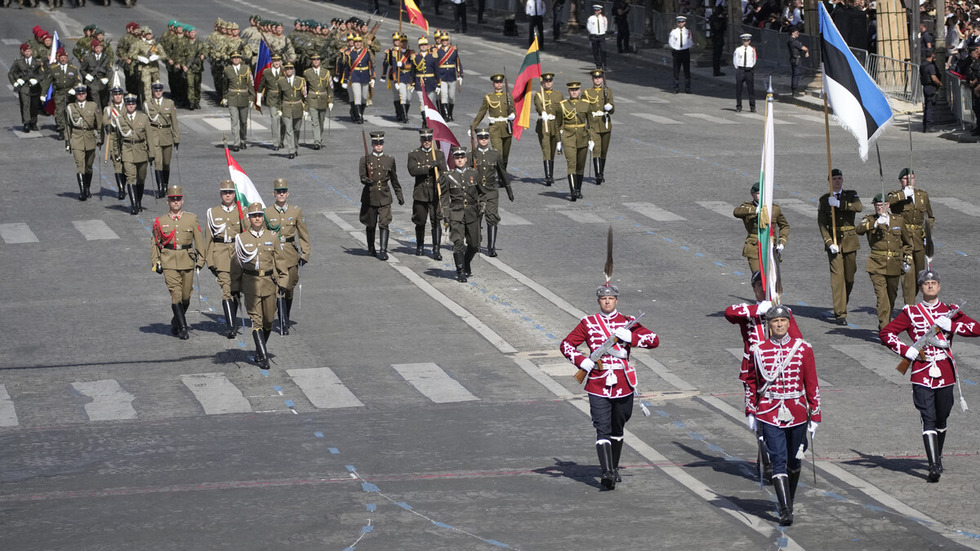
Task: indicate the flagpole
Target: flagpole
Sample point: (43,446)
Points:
(830,180)
(401,10)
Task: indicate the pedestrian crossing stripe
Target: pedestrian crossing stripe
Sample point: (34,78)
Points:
(224,123)
(721,207)
(511,219)
(8,415)
(109,401)
(323,388)
(432,381)
(709,118)
(799,206)
(656,118)
(583,217)
(377,120)
(216,393)
(94,230)
(17,232)
(653,211)
(957,205)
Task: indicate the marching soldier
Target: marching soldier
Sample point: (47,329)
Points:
(110,125)
(260,254)
(123,53)
(238,94)
(26,74)
(83,44)
(751,320)
(397,70)
(224,224)
(933,367)
(163,125)
(499,107)
(193,67)
(425,164)
(148,56)
(290,225)
(134,146)
(449,75)
(173,43)
(214,48)
(268,95)
(177,250)
(574,137)
(359,79)
(97,70)
(319,97)
(462,199)
(492,176)
(891,253)
(424,65)
(913,205)
(291,96)
(62,76)
(680,41)
(782,398)
(601,107)
(746,212)
(744,59)
(377,170)
(610,381)
(836,214)
(84,135)
(546,103)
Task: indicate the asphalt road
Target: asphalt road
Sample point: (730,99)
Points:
(409,411)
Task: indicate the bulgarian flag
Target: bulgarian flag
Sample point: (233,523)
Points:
(245,192)
(415,15)
(530,69)
(766,231)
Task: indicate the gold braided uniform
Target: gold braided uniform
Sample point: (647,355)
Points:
(498,106)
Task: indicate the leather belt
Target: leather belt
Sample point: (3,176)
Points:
(288,239)
(178,247)
(448,66)
(426,75)
(257,273)
(222,239)
(495,120)
(913,226)
(133,141)
(886,253)
(160,125)
(845,228)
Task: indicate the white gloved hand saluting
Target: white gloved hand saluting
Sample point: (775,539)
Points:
(833,201)
(882,220)
(944,323)
(623,334)
(834,249)
(763,307)
(912,353)
(908,191)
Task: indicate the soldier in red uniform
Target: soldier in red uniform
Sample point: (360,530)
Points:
(610,381)
(782,397)
(751,320)
(933,367)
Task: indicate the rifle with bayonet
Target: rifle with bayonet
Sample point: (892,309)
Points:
(598,353)
(903,366)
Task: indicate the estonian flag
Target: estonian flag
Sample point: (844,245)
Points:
(859,105)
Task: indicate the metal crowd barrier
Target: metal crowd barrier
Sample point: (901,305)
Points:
(960,100)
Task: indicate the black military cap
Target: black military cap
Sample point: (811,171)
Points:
(755,187)
(81,89)
(836,172)
(459,152)
(377,136)
(116,90)
(130,98)
(425,134)
(905,172)
(157,85)
(482,132)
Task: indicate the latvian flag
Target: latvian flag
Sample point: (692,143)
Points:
(441,133)
(530,69)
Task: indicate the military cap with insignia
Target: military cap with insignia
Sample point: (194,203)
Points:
(905,172)
(95,42)
(927,275)
(836,172)
(458,151)
(574,85)
(255,209)
(879,198)
(680,18)
(81,88)
(175,191)
(226,185)
(396,36)
(378,136)
(607,290)
(482,132)
(288,66)
(499,77)
(597,73)
(596,7)
(116,90)
(130,98)
(280,183)
(275,57)
(755,187)
(236,54)
(423,40)
(746,36)
(547,77)
(315,56)
(156,85)
(425,134)
(779,311)
(357,38)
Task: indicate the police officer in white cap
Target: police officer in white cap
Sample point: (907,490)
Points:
(744,60)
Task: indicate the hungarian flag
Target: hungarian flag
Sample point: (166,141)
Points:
(52,61)
(415,15)
(441,133)
(245,192)
(262,63)
(766,231)
(530,69)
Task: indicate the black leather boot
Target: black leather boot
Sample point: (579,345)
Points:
(289,311)
(232,329)
(181,322)
(780,483)
(468,255)
(578,185)
(121,186)
(436,240)
(460,273)
(941,441)
(491,240)
(81,185)
(370,240)
(360,113)
(449,109)
(398,111)
(602,169)
(547,176)
(604,451)
(419,240)
(931,442)
(617,451)
(794,481)
(597,172)
(281,314)
(353,112)
(87,180)
(550,180)
(261,357)
(385,233)
(165,179)
(139,196)
(157,177)
(133,208)
(572,196)
(405,107)
(765,461)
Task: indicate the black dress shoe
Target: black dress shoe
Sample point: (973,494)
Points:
(244,145)
(234,148)
(291,156)
(841,321)
(752,109)
(27,128)
(316,147)
(738,109)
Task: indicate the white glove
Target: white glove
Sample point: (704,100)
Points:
(336,79)
(908,191)
(763,307)
(72,91)
(258,98)
(558,147)
(344,86)
(779,247)
(834,249)
(882,220)
(329,107)
(279,113)
(142,59)
(511,117)
(104,81)
(154,57)
(591,145)
(944,323)
(399,64)
(469,132)
(89,78)
(587,364)
(371,83)
(812,427)
(383,79)
(906,267)
(306,115)
(833,201)
(20,82)
(912,353)
(607,107)
(751,422)
(224,102)
(623,334)
(68,146)
(33,82)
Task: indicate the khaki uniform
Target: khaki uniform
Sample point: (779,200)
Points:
(135,145)
(319,95)
(289,225)
(163,125)
(63,79)
(746,213)
(29,94)
(84,134)
(291,97)
(889,245)
(498,106)
(546,104)
(239,92)
(377,172)
(260,255)
(223,224)
(425,166)
(843,264)
(572,121)
(914,211)
(600,120)
(269,92)
(491,176)
(178,248)
(110,115)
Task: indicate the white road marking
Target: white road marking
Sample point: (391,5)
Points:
(17,232)
(653,211)
(434,383)
(323,388)
(110,401)
(709,118)
(656,119)
(511,219)
(94,230)
(721,207)
(224,124)
(378,120)
(875,358)
(216,393)
(958,205)
(583,217)
(8,415)
(805,208)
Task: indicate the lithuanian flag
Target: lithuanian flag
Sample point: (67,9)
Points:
(530,69)
(415,15)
